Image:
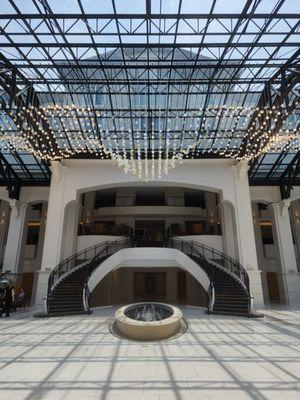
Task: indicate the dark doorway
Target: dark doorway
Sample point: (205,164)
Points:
(181,287)
(149,233)
(149,286)
(273,288)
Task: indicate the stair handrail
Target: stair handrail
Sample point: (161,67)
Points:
(191,250)
(68,263)
(90,254)
(227,262)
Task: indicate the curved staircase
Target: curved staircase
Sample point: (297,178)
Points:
(230,291)
(66,297)
(230,296)
(67,281)
(229,283)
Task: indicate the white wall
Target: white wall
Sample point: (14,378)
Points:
(78,176)
(214,241)
(85,241)
(265,194)
(225,177)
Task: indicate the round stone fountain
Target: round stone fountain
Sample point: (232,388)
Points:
(148,321)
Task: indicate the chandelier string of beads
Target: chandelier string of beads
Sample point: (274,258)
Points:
(143,151)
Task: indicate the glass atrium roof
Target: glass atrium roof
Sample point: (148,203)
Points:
(149,79)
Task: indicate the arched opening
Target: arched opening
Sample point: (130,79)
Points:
(148,274)
(133,284)
(267,253)
(32,248)
(5,212)
(295,225)
(151,213)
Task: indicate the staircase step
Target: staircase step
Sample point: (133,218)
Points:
(65,313)
(224,307)
(230,313)
(54,302)
(63,307)
(230,301)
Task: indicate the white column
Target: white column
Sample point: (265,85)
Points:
(245,231)
(4,225)
(286,251)
(54,230)
(295,224)
(88,208)
(229,233)
(70,229)
(15,236)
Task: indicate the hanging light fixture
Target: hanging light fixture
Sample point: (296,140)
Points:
(146,152)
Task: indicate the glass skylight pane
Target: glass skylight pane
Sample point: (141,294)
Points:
(194,7)
(66,6)
(290,6)
(136,7)
(6,7)
(27,6)
(229,6)
(98,6)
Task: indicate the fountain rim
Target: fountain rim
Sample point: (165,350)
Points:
(120,314)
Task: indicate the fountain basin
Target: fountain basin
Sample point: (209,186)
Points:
(148,321)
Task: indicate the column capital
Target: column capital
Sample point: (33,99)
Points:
(281,207)
(241,169)
(57,169)
(15,206)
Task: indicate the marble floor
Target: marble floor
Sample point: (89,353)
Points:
(217,358)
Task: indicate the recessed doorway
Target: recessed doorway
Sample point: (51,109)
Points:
(149,286)
(273,288)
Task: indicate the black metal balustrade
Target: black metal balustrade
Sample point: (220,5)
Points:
(204,255)
(208,253)
(212,262)
(91,256)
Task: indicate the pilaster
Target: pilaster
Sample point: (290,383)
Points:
(286,251)
(15,236)
(245,231)
(55,218)
(54,230)
(244,221)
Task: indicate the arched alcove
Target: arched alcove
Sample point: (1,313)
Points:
(32,246)
(178,278)
(267,251)
(5,212)
(172,210)
(295,225)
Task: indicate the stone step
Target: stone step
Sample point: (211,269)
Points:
(230,301)
(65,301)
(65,313)
(231,313)
(63,308)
